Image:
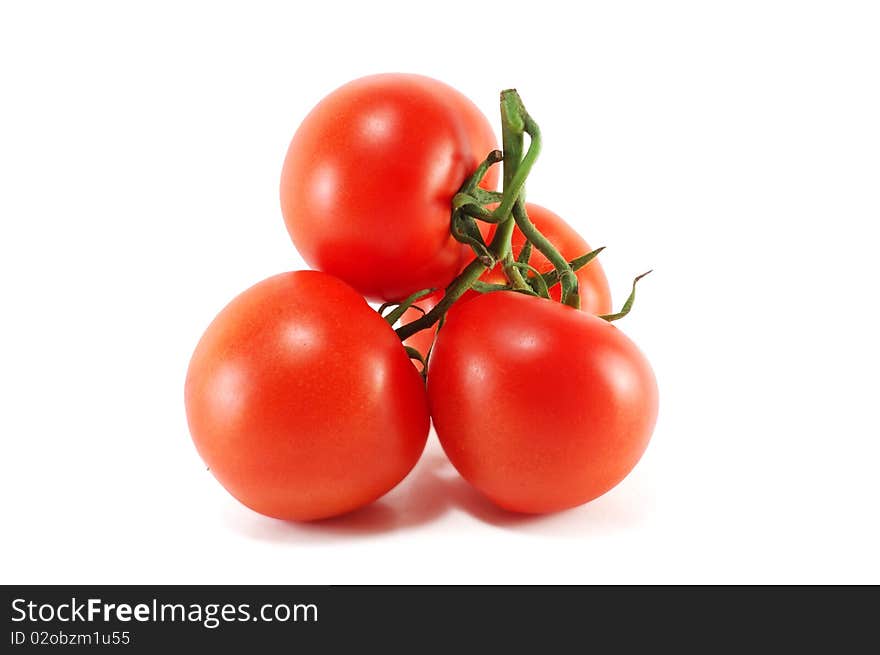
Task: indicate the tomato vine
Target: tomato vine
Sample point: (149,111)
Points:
(469,205)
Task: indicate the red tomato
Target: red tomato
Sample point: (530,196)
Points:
(541,407)
(369,177)
(592,284)
(302,401)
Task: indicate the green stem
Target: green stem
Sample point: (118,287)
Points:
(464,203)
(454,291)
(627,306)
(525,254)
(538,284)
(415,354)
(485,197)
(489,287)
(516,169)
(512,272)
(563,268)
(394,316)
(552,277)
(515,123)
(512,131)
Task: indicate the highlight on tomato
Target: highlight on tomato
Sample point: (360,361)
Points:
(368,180)
(302,401)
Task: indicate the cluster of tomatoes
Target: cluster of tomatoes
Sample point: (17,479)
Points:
(306,403)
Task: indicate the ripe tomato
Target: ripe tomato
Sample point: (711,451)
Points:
(592,284)
(369,177)
(541,407)
(302,401)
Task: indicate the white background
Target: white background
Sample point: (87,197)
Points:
(733,147)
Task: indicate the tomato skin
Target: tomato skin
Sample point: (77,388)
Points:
(539,406)
(368,180)
(301,400)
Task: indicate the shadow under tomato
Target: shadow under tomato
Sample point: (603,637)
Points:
(431,491)
(418,500)
(609,513)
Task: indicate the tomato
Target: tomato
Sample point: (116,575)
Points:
(541,407)
(592,284)
(369,177)
(302,401)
